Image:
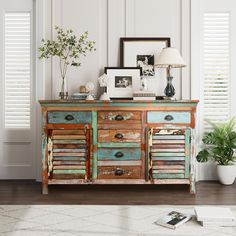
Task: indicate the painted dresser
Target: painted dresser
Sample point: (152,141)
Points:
(118,142)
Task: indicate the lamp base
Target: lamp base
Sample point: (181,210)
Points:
(169,90)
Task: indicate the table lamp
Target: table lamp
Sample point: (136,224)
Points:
(169,58)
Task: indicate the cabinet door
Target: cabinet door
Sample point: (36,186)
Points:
(169,153)
(69,153)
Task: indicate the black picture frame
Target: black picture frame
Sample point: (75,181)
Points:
(125,93)
(127,42)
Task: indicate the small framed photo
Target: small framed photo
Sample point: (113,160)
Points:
(142,52)
(122,81)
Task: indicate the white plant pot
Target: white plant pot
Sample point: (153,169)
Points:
(226,174)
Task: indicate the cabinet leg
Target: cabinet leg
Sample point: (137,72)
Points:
(45,189)
(192,185)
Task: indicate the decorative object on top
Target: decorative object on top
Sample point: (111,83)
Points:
(143,85)
(122,81)
(103,82)
(170,58)
(69,48)
(219,146)
(90,87)
(142,52)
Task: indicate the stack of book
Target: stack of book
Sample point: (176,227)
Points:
(215,216)
(80,96)
(144,95)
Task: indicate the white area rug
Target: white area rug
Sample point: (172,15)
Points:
(86,220)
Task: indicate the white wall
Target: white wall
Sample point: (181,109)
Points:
(107,21)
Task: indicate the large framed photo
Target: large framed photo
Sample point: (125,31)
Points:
(122,81)
(142,52)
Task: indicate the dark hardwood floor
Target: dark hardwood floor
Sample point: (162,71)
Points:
(29,192)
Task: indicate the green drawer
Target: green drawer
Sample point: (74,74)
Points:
(119,154)
(175,117)
(69,117)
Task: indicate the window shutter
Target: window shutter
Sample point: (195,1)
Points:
(216,65)
(17,69)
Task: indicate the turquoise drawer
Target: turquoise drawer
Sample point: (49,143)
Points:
(69,117)
(119,154)
(175,117)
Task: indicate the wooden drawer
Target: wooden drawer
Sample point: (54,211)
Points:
(119,117)
(175,117)
(119,172)
(119,154)
(70,117)
(119,136)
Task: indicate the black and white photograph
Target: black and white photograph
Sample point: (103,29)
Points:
(143,53)
(123,81)
(146,62)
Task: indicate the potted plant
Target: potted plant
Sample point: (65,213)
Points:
(68,47)
(219,146)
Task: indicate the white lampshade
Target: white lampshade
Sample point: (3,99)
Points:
(170,57)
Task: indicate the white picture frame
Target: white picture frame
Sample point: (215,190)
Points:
(122,81)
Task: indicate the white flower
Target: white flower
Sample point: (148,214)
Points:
(103,80)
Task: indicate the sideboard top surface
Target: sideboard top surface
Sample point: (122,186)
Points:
(121,103)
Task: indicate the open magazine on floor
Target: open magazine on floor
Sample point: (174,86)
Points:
(173,219)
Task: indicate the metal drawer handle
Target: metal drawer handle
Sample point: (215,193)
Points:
(119,136)
(169,117)
(69,117)
(119,172)
(119,117)
(119,154)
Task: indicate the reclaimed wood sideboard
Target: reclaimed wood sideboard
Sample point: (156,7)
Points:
(118,142)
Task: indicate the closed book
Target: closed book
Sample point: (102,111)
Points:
(144,98)
(173,219)
(218,224)
(214,214)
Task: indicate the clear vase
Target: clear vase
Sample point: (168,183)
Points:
(169,90)
(64,89)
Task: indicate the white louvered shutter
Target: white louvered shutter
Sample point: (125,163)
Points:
(17,68)
(216,68)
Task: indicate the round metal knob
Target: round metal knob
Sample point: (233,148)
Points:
(119,154)
(119,136)
(119,117)
(169,117)
(69,117)
(119,172)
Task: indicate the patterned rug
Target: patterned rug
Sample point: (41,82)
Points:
(101,220)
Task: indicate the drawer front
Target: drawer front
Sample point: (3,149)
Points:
(119,154)
(168,117)
(70,117)
(119,136)
(119,116)
(119,172)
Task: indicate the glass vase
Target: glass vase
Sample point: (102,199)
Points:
(63,94)
(169,90)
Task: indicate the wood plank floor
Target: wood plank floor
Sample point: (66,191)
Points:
(29,192)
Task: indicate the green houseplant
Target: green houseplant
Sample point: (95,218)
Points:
(219,145)
(68,48)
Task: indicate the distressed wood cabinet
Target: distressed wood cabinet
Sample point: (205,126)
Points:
(118,142)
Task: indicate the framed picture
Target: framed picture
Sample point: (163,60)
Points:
(142,52)
(122,81)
